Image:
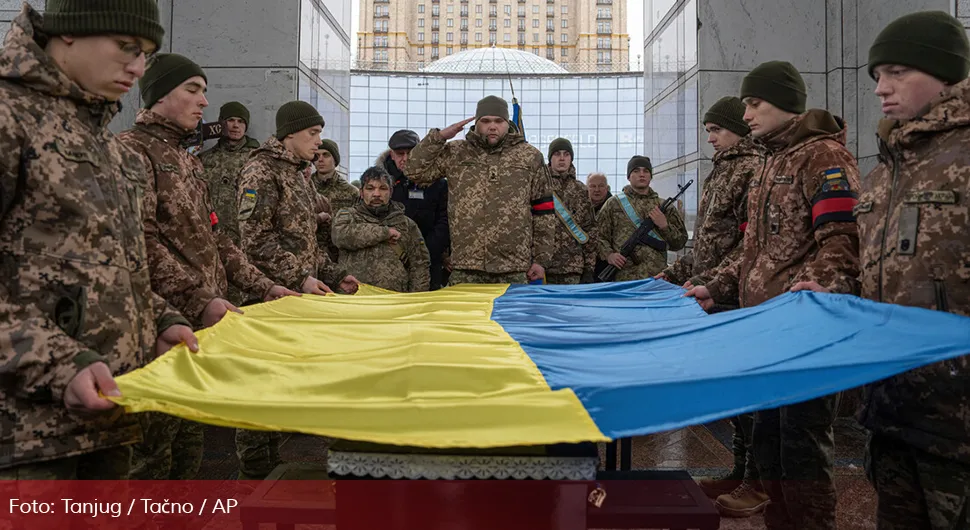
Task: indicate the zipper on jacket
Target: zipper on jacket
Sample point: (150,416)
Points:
(885,226)
(939,289)
(743,280)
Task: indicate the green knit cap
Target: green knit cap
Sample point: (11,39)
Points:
(560,144)
(778,83)
(492,106)
(638,161)
(295,116)
(165,74)
(234,109)
(331,147)
(728,112)
(932,42)
(136,18)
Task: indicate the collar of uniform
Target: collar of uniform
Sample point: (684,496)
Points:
(632,193)
(781,137)
(949,110)
(745,146)
(246,143)
(482,142)
(569,174)
(164,128)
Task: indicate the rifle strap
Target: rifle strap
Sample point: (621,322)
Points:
(632,214)
(567,219)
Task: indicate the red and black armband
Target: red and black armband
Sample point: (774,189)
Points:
(543,206)
(834,201)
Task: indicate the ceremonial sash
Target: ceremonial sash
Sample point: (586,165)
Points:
(567,219)
(632,214)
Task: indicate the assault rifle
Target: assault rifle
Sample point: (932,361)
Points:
(642,237)
(203,132)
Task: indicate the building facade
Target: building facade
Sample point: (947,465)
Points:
(260,53)
(580,35)
(697,52)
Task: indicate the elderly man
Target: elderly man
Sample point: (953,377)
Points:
(599,190)
(500,212)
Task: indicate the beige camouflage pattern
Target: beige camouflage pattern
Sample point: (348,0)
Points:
(490,194)
(278,219)
(570,256)
(361,235)
(615,227)
(74,280)
(781,247)
(191,261)
(339,194)
(721,214)
(914,229)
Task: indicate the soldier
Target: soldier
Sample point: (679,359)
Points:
(222,164)
(622,214)
(599,190)
(278,221)
(378,243)
(426,206)
(499,210)
(800,228)
(574,255)
(76,303)
(915,250)
(190,260)
(721,220)
(333,187)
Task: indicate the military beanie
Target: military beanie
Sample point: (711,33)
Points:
(136,18)
(728,112)
(492,106)
(932,42)
(234,109)
(331,147)
(561,144)
(638,161)
(167,71)
(295,116)
(778,83)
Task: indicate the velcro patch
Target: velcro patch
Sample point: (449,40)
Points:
(543,206)
(838,184)
(783,179)
(862,207)
(931,197)
(834,173)
(247,204)
(833,206)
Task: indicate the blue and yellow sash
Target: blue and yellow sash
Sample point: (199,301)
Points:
(632,214)
(568,220)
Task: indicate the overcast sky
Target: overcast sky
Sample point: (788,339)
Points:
(634,22)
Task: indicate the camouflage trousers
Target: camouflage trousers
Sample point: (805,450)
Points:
(793,447)
(917,490)
(563,279)
(470,276)
(106,464)
(258,453)
(171,450)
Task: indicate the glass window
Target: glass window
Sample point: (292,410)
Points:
(535,23)
(508,10)
(449,36)
(565,9)
(478,23)
(535,10)
(656,11)
(565,51)
(451,22)
(508,37)
(565,23)
(508,23)
(420,8)
(451,9)
(420,36)
(420,22)
(478,37)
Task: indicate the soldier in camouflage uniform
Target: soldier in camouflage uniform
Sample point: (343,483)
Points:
(574,256)
(379,244)
(721,219)
(76,303)
(913,214)
(333,187)
(615,225)
(499,209)
(191,261)
(222,164)
(800,229)
(278,221)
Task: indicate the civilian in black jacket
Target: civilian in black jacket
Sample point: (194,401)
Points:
(428,207)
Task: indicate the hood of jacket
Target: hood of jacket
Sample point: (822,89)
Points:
(812,126)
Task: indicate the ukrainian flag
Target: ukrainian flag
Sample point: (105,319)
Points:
(480,366)
(517,116)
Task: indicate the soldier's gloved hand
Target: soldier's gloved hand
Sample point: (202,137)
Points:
(175,335)
(703,297)
(349,284)
(535,272)
(393,236)
(617,260)
(278,291)
(658,218)
(810,286)
(451,131)
(314,286)
(81,395)
(215,310)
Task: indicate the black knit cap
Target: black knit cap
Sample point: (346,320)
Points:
(638,161)
(403,139)
(560,144)
(234,109)
(728,112)
(331,147)
(932,42)
(167,72)
(778,83)
(136,18)
(295,116)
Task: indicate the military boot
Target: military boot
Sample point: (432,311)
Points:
(747,500)
(714,487)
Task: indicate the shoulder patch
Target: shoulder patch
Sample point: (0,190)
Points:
(247,204)
(834,173)
(862,207)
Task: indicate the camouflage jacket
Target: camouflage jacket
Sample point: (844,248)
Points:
(800,223)
(913,215)
(74,281)
(336,189)
(499,206)
(222,164)
(614,227)
(361,235)
(190,259)
(278,218)
(721,215)
(570,256)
